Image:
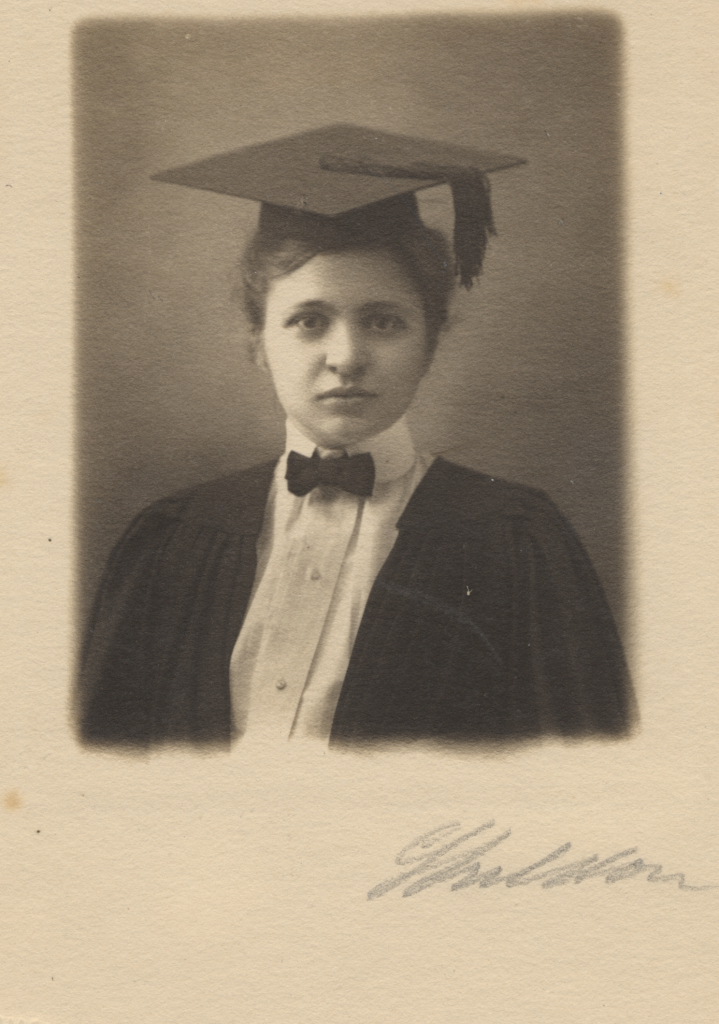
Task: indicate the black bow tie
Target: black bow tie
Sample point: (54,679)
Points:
(353,473)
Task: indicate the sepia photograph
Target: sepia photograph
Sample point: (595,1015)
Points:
(359,512)
(351,435)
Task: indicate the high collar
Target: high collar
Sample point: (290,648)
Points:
(392,451)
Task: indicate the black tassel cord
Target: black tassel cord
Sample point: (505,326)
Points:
(473,223)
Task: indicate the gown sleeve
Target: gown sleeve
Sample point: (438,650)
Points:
(569,649)
(155,661)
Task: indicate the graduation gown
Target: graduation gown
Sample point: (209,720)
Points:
(486,622)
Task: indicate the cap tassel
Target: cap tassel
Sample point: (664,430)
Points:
(473,223)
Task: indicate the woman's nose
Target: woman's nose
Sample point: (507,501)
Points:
(346,350)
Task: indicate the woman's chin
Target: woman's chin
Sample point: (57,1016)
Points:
(342,432)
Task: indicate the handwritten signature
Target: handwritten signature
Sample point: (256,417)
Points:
(451,859)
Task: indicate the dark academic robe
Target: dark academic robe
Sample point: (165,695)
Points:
(486,622)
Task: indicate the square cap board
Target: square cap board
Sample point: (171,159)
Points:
(334,170)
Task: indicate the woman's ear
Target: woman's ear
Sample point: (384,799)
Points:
(431,348)
(257,351)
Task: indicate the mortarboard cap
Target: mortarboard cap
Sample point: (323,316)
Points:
(346,173)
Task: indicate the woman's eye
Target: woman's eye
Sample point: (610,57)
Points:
(309,323)
(385,323)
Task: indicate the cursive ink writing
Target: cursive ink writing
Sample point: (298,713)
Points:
(439,856)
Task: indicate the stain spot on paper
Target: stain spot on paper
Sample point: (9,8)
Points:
(11,800)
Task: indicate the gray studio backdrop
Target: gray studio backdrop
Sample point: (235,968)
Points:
(528,383)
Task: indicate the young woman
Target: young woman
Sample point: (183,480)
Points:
(356,589)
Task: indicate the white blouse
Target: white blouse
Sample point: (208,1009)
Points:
(317,559)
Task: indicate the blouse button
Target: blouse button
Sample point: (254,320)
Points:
(281,684)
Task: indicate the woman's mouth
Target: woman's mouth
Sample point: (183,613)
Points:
(345,395)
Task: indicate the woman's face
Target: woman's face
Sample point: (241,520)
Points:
(345,343)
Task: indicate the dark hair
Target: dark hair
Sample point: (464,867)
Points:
(421,252)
